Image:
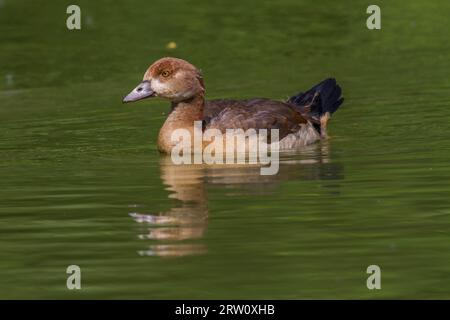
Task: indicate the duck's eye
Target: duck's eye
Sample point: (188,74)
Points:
(165,73)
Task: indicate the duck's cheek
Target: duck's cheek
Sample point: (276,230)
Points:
(161,89)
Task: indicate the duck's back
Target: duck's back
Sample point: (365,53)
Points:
(313,107)
(252,114)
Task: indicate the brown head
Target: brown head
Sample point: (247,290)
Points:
(169,78)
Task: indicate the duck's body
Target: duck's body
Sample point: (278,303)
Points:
(300,121)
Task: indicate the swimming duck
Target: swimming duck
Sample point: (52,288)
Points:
(301,120)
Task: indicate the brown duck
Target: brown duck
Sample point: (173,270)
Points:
(301,120)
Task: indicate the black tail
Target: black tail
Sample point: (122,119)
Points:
(319,102)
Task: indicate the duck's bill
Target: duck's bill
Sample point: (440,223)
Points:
(142,91)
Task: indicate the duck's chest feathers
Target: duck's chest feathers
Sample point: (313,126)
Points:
(182,116)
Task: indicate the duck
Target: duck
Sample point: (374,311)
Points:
(300,120)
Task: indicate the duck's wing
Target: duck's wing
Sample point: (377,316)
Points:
(314,106)
(252,114)
(214,107)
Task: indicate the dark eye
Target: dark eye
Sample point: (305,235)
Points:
(165,73)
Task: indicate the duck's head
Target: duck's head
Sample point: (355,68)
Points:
(169,78)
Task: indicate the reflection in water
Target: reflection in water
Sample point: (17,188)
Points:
(186,221)
(175,229)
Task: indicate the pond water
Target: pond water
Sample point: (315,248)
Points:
(81,181)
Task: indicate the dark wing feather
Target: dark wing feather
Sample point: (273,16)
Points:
(310,106)
(252,114)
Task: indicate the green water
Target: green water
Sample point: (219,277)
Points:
(82,182)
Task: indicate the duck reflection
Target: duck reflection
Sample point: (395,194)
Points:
(177,231)
(185,221)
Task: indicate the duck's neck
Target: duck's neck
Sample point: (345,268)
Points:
(182,115)
(187,111)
